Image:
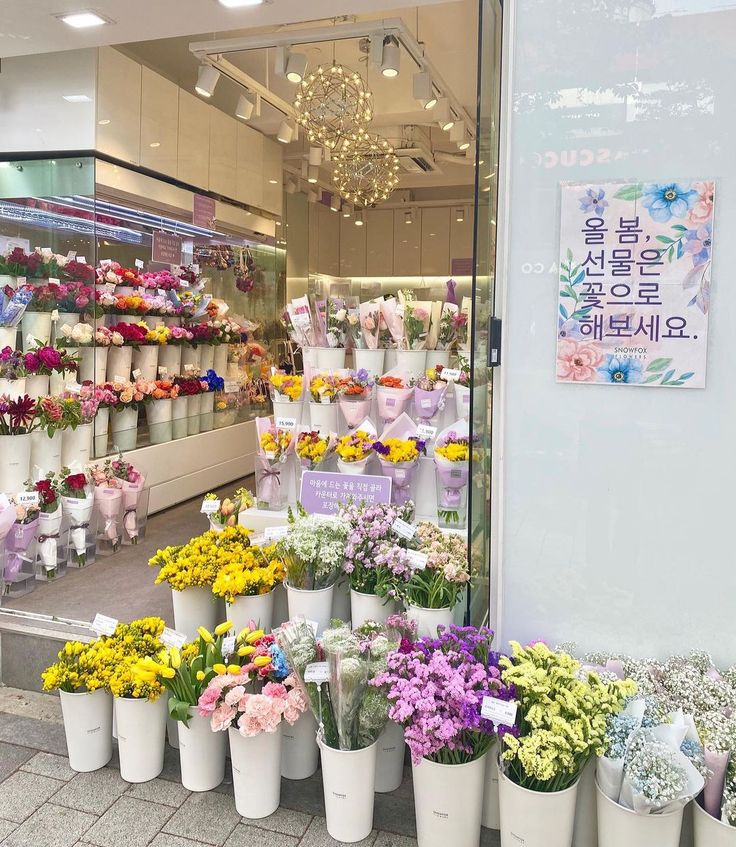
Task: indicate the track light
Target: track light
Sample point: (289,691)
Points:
(335,203)
(245,108)
(285,133)
(315,156)
(408,216)
(312,174)
(359,218)
(443,115)
(296,65)
(312,196)
(206,80)
(346,210)
(460,215)
(423,90)
(291,186)
(457,132)
(391,57)
(465,143)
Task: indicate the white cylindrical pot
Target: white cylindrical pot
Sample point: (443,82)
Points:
(256,762)
(169,357)
(206,358)
(341,600)
(194,607)
(622,827)
(437,357)
(369,607)
(330,358)
(413,362)
(194,408)
(585,833)
(101,428)
(462,400)
(145,360)
(258,608)
(119,363)
(491,817)
(348,780)
(314,605)
(219,364)
(370,360)
(37,386)
(709,831)
(299,750)
(536,818)
(179,417)
(287,409)
(8,336)
(429,619)
(172,732)
(353,468)
(45,452)
(389,359)
(280,606)
(16,462)
(448,800)
(323,417)
(76,445)
(88,728)
(14,388)
(93,364)
(158,414)
(141,726)
(35,326)
(201,753)
(389,757)
(124,425)
(206,417)
(190,356)
(69,319)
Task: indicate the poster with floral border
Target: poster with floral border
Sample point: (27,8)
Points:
(635,272)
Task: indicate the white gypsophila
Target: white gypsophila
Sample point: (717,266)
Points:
(717,731)
(654,773)
(318,545)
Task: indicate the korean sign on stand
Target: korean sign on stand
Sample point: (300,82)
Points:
(634,291)
(323,492)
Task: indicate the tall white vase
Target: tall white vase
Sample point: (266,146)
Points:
(88,728)
(45,452)
(324,417)
(8,336)
(169,357)
(145,360)
(537,818)
(258,608)
(119,363)
(428,620)
(462,400)
(101,428)
(76,445)
(314,605)
(585,833)
(141,728)
(190,356)
(710,832)
(201,753)
(14,388)
(207,411)
(330,358)
(448,800)
(206,357)
(35,326)
(16,462)
(158,414)
(179,417)
(369,607)
(491,818)
(621,827)
(390,757)
(194,407)
(37,386)
(124,425)
(437,357)
(219,364)
(194,607)
(257,792)
(348,780)
(370,360)
(299,750)
(413,362)
(287,409)
(93,364)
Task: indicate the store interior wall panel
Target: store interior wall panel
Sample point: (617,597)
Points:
(193,165)
(159,123)
(118,105)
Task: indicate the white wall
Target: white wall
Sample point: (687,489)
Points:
(617,502)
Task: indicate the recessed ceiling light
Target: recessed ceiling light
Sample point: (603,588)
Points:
(239,4)
(77,98)
(83,20)
(104,122)
(274,181)
(155,144)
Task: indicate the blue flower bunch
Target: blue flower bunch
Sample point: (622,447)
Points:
(214,382)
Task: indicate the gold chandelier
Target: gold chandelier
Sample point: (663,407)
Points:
(365,169)
(333,104)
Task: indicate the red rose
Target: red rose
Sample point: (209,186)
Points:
(76,481)
(46,490)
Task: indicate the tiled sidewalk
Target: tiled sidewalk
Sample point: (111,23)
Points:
(43,803)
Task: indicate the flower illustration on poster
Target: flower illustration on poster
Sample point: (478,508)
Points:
(635,279)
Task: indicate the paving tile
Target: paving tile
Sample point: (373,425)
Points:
(33,733)
(51,765)
(163,839)
(6,827)
(52,826)
(388,839)
(22,793)
(159,791)
(128,823)
(395,813)
(285,821)
(172,769)
(304,795)
(490,837)
(208,817)
(250,836)
(317,836)
(92,792)
(11,758)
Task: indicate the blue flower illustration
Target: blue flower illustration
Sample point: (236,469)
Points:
(698,242)
(593,201)
(621,371)
(670,200)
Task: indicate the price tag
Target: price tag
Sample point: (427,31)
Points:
(209,507)
(399,473)
(301,319)
(403,529)
(188,369)
(285,423)
(103,625)
(118,378)
(21,280)
(54,281)
(137,373)
(71,254)
(73,388)
(162,370)
(139,264)
(258,541)
(317,672)
(54,315)
(232,386)
(28,498)
(273,533)
(499,711)
(450,374)
(82,260)
(417,561)
(172,638)
(228,645)
(110,286)
(426,403)
(183,283)
(425,432)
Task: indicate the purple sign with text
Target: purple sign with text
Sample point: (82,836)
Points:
(166,248)
(323,492)
(203,211)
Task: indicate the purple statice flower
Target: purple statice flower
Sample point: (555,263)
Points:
(381,448)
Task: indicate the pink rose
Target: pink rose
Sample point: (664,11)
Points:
(702,211)
(577,361)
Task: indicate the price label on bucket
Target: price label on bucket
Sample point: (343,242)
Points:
(317,672)
(139,264)
(499,711)
(228,645)
(103,625)
(403,529)
(137,374)
(426,432)
(285,423)
(450,374)
(209,507)
(274,533)
(173,638)
(28,498)
(417,561)
(163,371)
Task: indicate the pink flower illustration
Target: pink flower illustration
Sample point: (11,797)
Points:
(702,211)
(577,361)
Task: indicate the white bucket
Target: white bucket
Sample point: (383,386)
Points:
(119,363)
(201,753)
(169,357)
(124,425)
(412,362)
(88,728)
(256,772)
(437,357)
(491,818)
(330,358)
(14,388)
(171,320)
(621,827)
(194,409)
(45,452)
(352,468)
(158,414)
(280,606)
(141,726)
(323,417)
(194,607)
(190,356)
(299,750)
(76,445)
(341,600)
(348,780)
(585,833)
(462,400)
(314,605)
(219,365)
(370,360)
(536,818)
(448,800)
(390,758)
(369,607)
(428,620)
(37,386)
(145,360)
(8,336)
(172,732)
(258,608)
(16,462)
(179,419)
(35,326)
(710,832)
(287,409)
(93,364)
(207,411)
(206,357)
(100,428)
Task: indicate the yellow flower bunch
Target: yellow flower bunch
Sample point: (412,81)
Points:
(259,571)
(323,387)
(454,451)
(290,385)
(355,446)
(160,334)
(397,450)
(562,716)
(312,447)
(275,442)
(200,560)
(140,677)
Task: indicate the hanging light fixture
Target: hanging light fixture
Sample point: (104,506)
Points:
(408,216)
(245,108)
(366,171)
(312,174)
(315,156)
(207,79)
(296,66)
(359,218)
(334,203)
(285,133)
(391,57)
(460,215)
(465,143)
(443,114)
(423,90)
(346,209)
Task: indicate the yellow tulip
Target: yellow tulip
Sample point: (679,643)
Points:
(175,658)
(223,628)
(262,661)
(246,651)
(243,633)
(205,635)
(200,676)
(235,669)
(219,668)
(168,673)
(254,636)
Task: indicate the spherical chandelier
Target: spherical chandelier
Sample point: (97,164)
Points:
(365,170)
(332,104)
